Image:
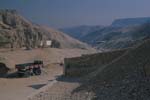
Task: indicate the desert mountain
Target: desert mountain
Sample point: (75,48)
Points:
(18,32)
(116,38)
(122,33)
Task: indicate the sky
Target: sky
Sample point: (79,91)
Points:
(68,13)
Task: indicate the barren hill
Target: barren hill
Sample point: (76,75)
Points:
(17,32)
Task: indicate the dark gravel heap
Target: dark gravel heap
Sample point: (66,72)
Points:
(127,90)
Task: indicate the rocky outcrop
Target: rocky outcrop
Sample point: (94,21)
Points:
(17,32)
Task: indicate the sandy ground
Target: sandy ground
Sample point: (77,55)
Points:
(61,90)
(21,88)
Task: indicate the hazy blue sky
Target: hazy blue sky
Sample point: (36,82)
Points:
(64,13)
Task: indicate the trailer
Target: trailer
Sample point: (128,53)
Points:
(29,69)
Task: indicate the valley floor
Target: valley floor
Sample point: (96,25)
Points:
(21,88)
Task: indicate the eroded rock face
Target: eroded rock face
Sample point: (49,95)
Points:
(17,32)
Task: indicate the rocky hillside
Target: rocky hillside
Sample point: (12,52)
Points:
(125,78)
(17,32)
(116,37)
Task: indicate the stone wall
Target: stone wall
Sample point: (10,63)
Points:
(81,66)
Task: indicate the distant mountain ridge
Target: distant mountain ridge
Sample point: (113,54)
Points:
(125,22)
(122,33)
(17,32)
(81,31)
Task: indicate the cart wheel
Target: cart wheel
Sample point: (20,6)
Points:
(37,71)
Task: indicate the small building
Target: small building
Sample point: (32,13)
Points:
(47,43)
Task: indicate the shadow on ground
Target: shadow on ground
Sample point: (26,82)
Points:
(68,79)
(13,75)
(37,86)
